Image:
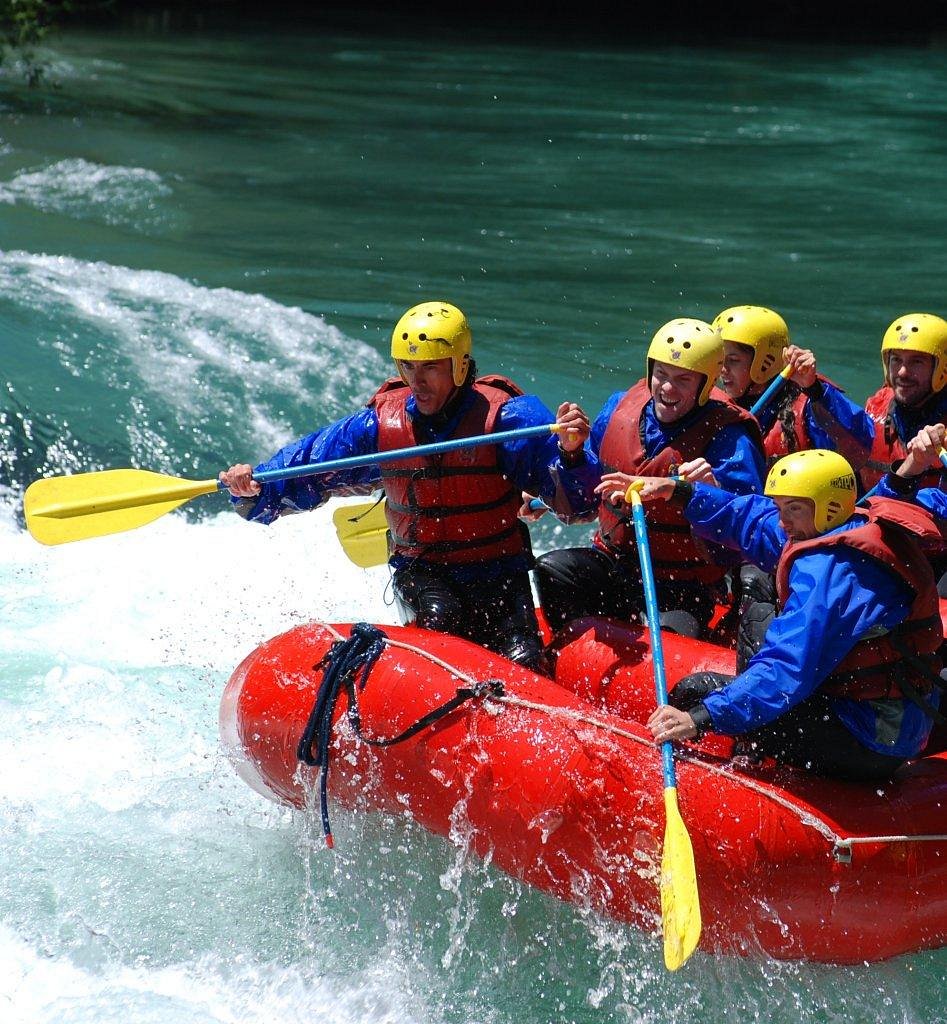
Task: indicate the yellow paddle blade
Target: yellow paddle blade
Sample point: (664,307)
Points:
(67,508)
(680,904)
(363,533)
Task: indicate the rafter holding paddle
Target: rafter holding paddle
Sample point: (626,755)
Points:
(69,508)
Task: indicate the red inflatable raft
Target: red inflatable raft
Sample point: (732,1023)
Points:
(561,785)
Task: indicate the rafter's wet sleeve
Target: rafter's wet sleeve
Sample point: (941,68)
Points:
(565,482)
(355,435)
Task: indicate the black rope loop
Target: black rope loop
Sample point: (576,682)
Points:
(480,690)
(339,667)
(346,665)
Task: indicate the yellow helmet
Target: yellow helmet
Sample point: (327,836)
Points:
(763,331)
(825,477)
(919,332)
(692,345)
(434,330)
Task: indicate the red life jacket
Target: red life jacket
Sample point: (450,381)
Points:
(895,534)
(887,446)
(456,507)
(675,552)
(789,432)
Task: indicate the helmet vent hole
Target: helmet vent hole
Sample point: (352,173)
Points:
(914,330)
(686,344)
(782,472)
(404,337)
(422,337)
(670,341)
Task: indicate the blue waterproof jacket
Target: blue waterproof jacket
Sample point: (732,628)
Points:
(838,596)
(737,462)
(934,499)
(533,464)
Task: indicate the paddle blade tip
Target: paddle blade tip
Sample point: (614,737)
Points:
(676,953)
(362,531)
(680,902)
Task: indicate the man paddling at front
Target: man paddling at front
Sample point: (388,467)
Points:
(842,684)
(459,554)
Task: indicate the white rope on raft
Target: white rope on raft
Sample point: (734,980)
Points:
(841,844)
(856,840)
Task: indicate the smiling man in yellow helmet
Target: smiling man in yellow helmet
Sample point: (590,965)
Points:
(459,554)
(844,682)
(665,421)
(810,411)
(914,394)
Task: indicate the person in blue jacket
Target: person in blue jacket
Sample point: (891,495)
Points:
(459,554)
(672,416)
(809,411)
(914,393)
(843,683)
(906,479)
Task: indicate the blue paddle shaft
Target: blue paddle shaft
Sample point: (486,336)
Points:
(654,629)
(868,494)
(376,458)
(774,385)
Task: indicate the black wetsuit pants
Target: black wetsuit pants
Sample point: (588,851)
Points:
(810,735)
(497,614)
(575,582)
(757,609)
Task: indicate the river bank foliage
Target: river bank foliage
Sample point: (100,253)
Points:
(24,24)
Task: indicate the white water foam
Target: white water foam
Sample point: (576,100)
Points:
(179,593)
(208,353)
(126,196)
(143,627)
(137,865)
(35,989)
(56,69)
